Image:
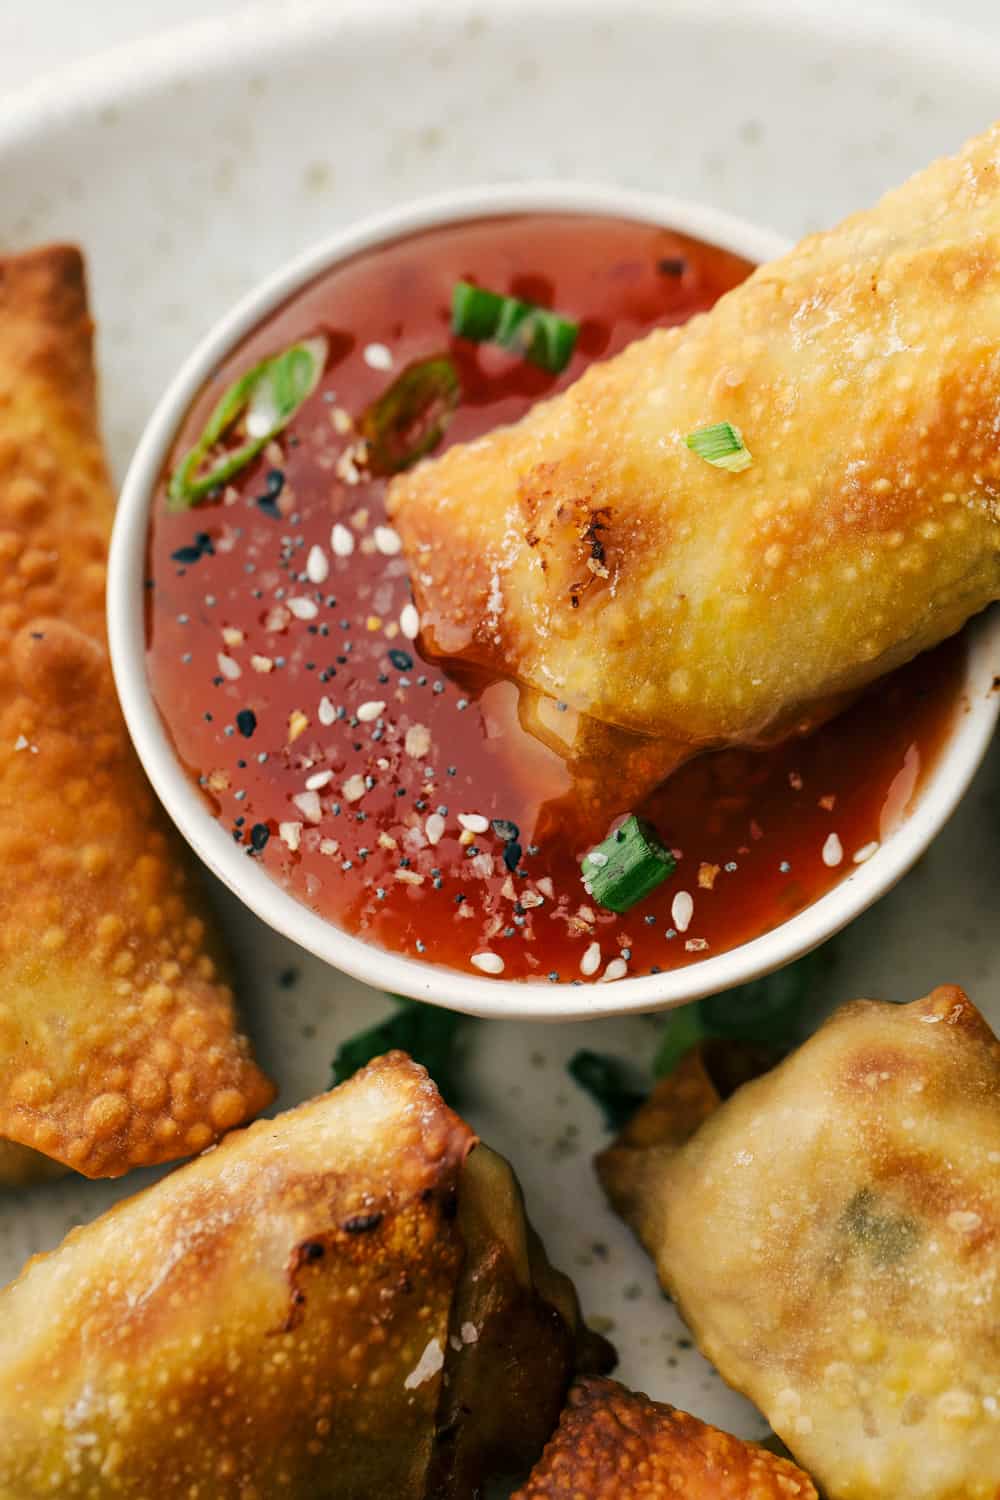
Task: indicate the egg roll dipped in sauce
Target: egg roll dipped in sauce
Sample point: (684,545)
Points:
(599,554)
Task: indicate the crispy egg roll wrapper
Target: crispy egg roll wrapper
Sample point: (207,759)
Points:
(587,553)
(337,1304)
(118,1039)
(830,1234)
(617,1444)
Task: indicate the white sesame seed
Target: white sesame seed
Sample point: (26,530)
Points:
(418,741)
(277,618)
(341,540)
(434,828)
(866,851)
(387,540)
(474,822)
(833,851)
(232,636)
(318,780)
(354,788)
(342,420)
(308,805)
(317,565)
(617,969)
(409,622)
(326,713)
(290,834)
(682,910)
(597,858)
(370,710)
(530,899)
(20,743)
(303,609)
(378,357)
(328,846)
(408,877)
(591,960)
(262,663)
(489,963)
(228,667)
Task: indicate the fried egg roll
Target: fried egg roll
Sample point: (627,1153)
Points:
(590,554)
(118,1039)
(616,1444)
(830,1235)
(344,1302)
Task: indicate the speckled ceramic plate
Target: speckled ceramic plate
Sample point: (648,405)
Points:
(190,167)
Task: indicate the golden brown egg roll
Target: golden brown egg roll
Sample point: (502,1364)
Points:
(617,1444)
(118,1040)
(589,554)
(830,1234)
(343,1302)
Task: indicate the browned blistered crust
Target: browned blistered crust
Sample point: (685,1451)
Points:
(616,1444)
(588,553)
(118,1039)
(831,1234)
(292,1314)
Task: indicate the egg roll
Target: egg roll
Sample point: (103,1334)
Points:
(617,1444)
(830,1236)
(672,606)
(118,1040)
(345,1301)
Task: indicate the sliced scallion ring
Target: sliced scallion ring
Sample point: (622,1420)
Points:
(627,866)
(408,420)
(539,335)
(721,445)
(267,398)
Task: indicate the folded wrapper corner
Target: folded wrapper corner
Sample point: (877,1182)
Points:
(830,1234)
(617,1444)
(343,1303)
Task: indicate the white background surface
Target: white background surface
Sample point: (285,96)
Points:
(39,35)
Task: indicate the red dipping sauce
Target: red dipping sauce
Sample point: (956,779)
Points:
(282,655)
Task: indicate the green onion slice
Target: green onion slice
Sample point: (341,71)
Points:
(409,419)
(266,399)
(627,866)
(536,333)
(722,445)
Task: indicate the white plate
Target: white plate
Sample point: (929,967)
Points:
(190,167)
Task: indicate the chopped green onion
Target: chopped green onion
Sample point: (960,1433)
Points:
(426,1032)
(627,866)
(539,335)
(772,1011)
(409,419)
(609,1083)
(267,397)
(722,445)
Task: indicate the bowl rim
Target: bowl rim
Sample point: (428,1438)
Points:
(396,973)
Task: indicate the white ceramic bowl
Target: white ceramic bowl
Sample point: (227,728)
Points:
(953,771)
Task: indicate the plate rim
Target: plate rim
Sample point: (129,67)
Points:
(194,49)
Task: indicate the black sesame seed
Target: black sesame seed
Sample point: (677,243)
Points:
(512,855)
(505,829)
(259,835)
(246,722)
(401,660)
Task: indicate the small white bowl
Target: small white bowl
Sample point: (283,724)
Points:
(510,999)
